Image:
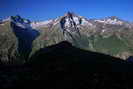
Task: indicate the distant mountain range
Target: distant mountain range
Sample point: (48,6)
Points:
(21,38)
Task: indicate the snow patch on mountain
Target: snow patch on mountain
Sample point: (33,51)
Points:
(41,23)
(86,22)
(70,21)
(20,22)
(110,21)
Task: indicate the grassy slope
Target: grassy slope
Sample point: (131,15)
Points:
(89,40)
(111,45)
(47,37)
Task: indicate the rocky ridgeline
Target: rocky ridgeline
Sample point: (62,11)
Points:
(20,38)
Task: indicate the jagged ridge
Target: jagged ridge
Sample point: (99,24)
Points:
(112,36)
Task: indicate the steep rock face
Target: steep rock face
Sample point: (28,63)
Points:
(67,27)
(111,35)
(25,35)
(70,24)
(16,39)
(8,44)
(20,22)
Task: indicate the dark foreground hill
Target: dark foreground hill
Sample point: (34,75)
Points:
(63,66)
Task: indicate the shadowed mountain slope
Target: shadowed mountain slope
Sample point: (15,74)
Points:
(20,38)
(64,53)
(25,38)
(63,66)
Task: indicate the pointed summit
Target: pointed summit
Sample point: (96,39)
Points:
(113,17)
(19,19)
(20,22)
(71,14)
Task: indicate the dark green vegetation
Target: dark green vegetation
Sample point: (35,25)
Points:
(111,45)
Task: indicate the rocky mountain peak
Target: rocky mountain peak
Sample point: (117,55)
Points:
(113,18)
(21,22)
(70,14)
(19,19)
(90,34)
(70,23)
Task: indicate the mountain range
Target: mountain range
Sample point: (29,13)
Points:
(20,38)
